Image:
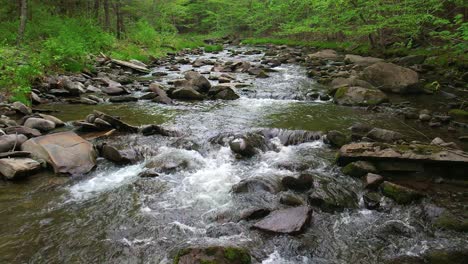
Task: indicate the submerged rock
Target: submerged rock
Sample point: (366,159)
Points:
(16,168)
(337,139)
(302,183)
(258,184)
(292,137)
(248,145)
(401,194)
(331,196)
(215,254)
(359,168)
(359,96)
(66,152)
(286,221)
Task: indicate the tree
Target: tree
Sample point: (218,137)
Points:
(23,18)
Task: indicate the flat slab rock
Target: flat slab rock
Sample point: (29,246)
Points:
(388,152)
(16,168)
(286,221)
(66,152)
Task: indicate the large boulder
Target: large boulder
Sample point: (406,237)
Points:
(359,96)
(66,152)
(392,78)
(200,83)
(361,61)
(17,168)
(351,81)
(214,254)
(327,54)
(384,135)
(11,142)
(40,124)
(286,221)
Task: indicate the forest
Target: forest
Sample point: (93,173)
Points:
(61,35)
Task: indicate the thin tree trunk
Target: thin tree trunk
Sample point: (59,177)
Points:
(106,15)
(23,19)
(96,9)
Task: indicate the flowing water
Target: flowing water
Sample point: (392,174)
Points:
(114,216)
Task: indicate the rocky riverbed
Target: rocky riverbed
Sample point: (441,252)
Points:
(267,154)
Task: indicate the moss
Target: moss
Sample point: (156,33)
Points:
(236,254)
(358,169)
(449,221)
(400,194)
(447,256)
(458,113)
(207,261)
(181,253)
(341,92)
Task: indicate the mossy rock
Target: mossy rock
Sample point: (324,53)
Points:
(400,194)
(446,256)
(359,96)
(213,255)
(337,139)
(459,113)
(449,221)
(359,169)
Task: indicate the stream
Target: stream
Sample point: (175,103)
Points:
(114,216)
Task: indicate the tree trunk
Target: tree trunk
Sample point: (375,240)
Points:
(23,18)
(106,15)
(97,3)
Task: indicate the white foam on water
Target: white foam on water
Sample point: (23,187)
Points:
(209,185)
(275,258)
(104,181)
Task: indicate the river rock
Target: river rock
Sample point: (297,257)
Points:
(351,81)
(223,92)
(29,132)
(361,61)
(40,124)
(66,152)
(372,200)
(161,95)
(392,78)
(248,145)
(123,99)
(373,181)
(359,96)
(17,168)
(302,183)
(21,108)
(286,221)
(199,81)
(74,88)
(258,184)
(401,194)
(187,93)
(120,157)
(337,139)
(331,196)
(9,142)
(115,122)
(55,120)
(384,135)
(327,54)
(214,254)
(359,168)
(412,60)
